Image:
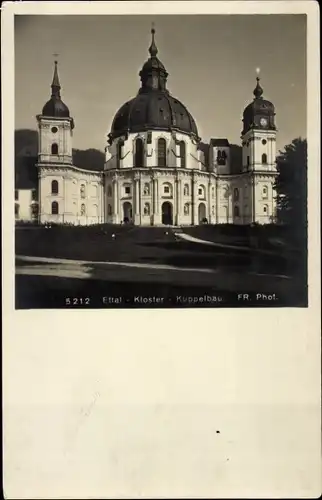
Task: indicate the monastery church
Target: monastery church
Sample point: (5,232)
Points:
(157,170)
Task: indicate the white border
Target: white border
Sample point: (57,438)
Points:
(160,359)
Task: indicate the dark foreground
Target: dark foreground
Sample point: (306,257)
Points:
(257,276)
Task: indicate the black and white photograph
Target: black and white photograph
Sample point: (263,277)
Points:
(161,249)
(160,161)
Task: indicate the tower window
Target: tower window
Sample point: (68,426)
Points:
(236,211)
(82,191)
(83,209)
(265,192)
(54,187)
(109,190)
(127,189)
(186,190)
(146,189)
(162,151)
(186,209)
(139,153)
(54,149)
(109,209)
(264,158)
(264,141)
(248,161)
(236,194)
(54,130)
(182,154)
(54,208)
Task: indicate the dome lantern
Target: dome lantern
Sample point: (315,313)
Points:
(153,108)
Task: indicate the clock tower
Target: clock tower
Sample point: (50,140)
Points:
(259,157)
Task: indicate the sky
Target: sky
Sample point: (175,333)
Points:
(211,61)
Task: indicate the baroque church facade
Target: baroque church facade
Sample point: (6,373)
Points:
(157,171)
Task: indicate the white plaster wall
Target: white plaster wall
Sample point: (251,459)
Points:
(63,137)
(256,148)
(69,197)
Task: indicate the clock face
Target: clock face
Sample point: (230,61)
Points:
(263,122)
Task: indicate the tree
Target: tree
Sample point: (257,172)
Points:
(291,188)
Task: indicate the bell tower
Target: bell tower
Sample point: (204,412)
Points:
(55,128)
(259,159)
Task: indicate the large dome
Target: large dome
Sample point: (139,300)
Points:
(153,111)
(153,108)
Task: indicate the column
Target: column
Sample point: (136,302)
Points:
(115,201)
(194,204)
(178,202)
(137,218)
(210,202)
(156,214)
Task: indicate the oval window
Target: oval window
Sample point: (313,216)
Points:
(54,130)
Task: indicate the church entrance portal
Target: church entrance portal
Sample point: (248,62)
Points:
(127,212)
(167,215)
(201,212)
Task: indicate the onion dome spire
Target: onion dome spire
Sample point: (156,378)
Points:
(55,86)
(258,91)
(153,48)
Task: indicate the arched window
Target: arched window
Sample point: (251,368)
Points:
(186,190)
(146,209)
(109,190)
(146,189)
(83,209)
(265,192)
(16,210)
(54,187)
(109,209)
(54,149)
(236,194)
(139,153)
(213,210)
(162,152)
(264,158)
(202,192)
(265,209)
(82,191)
(186,209)
(54,208)
(182,154)
(236,211)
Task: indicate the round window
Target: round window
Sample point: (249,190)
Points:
(264,141)
(54,130)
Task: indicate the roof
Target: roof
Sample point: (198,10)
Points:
(153,110)
(219,142)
